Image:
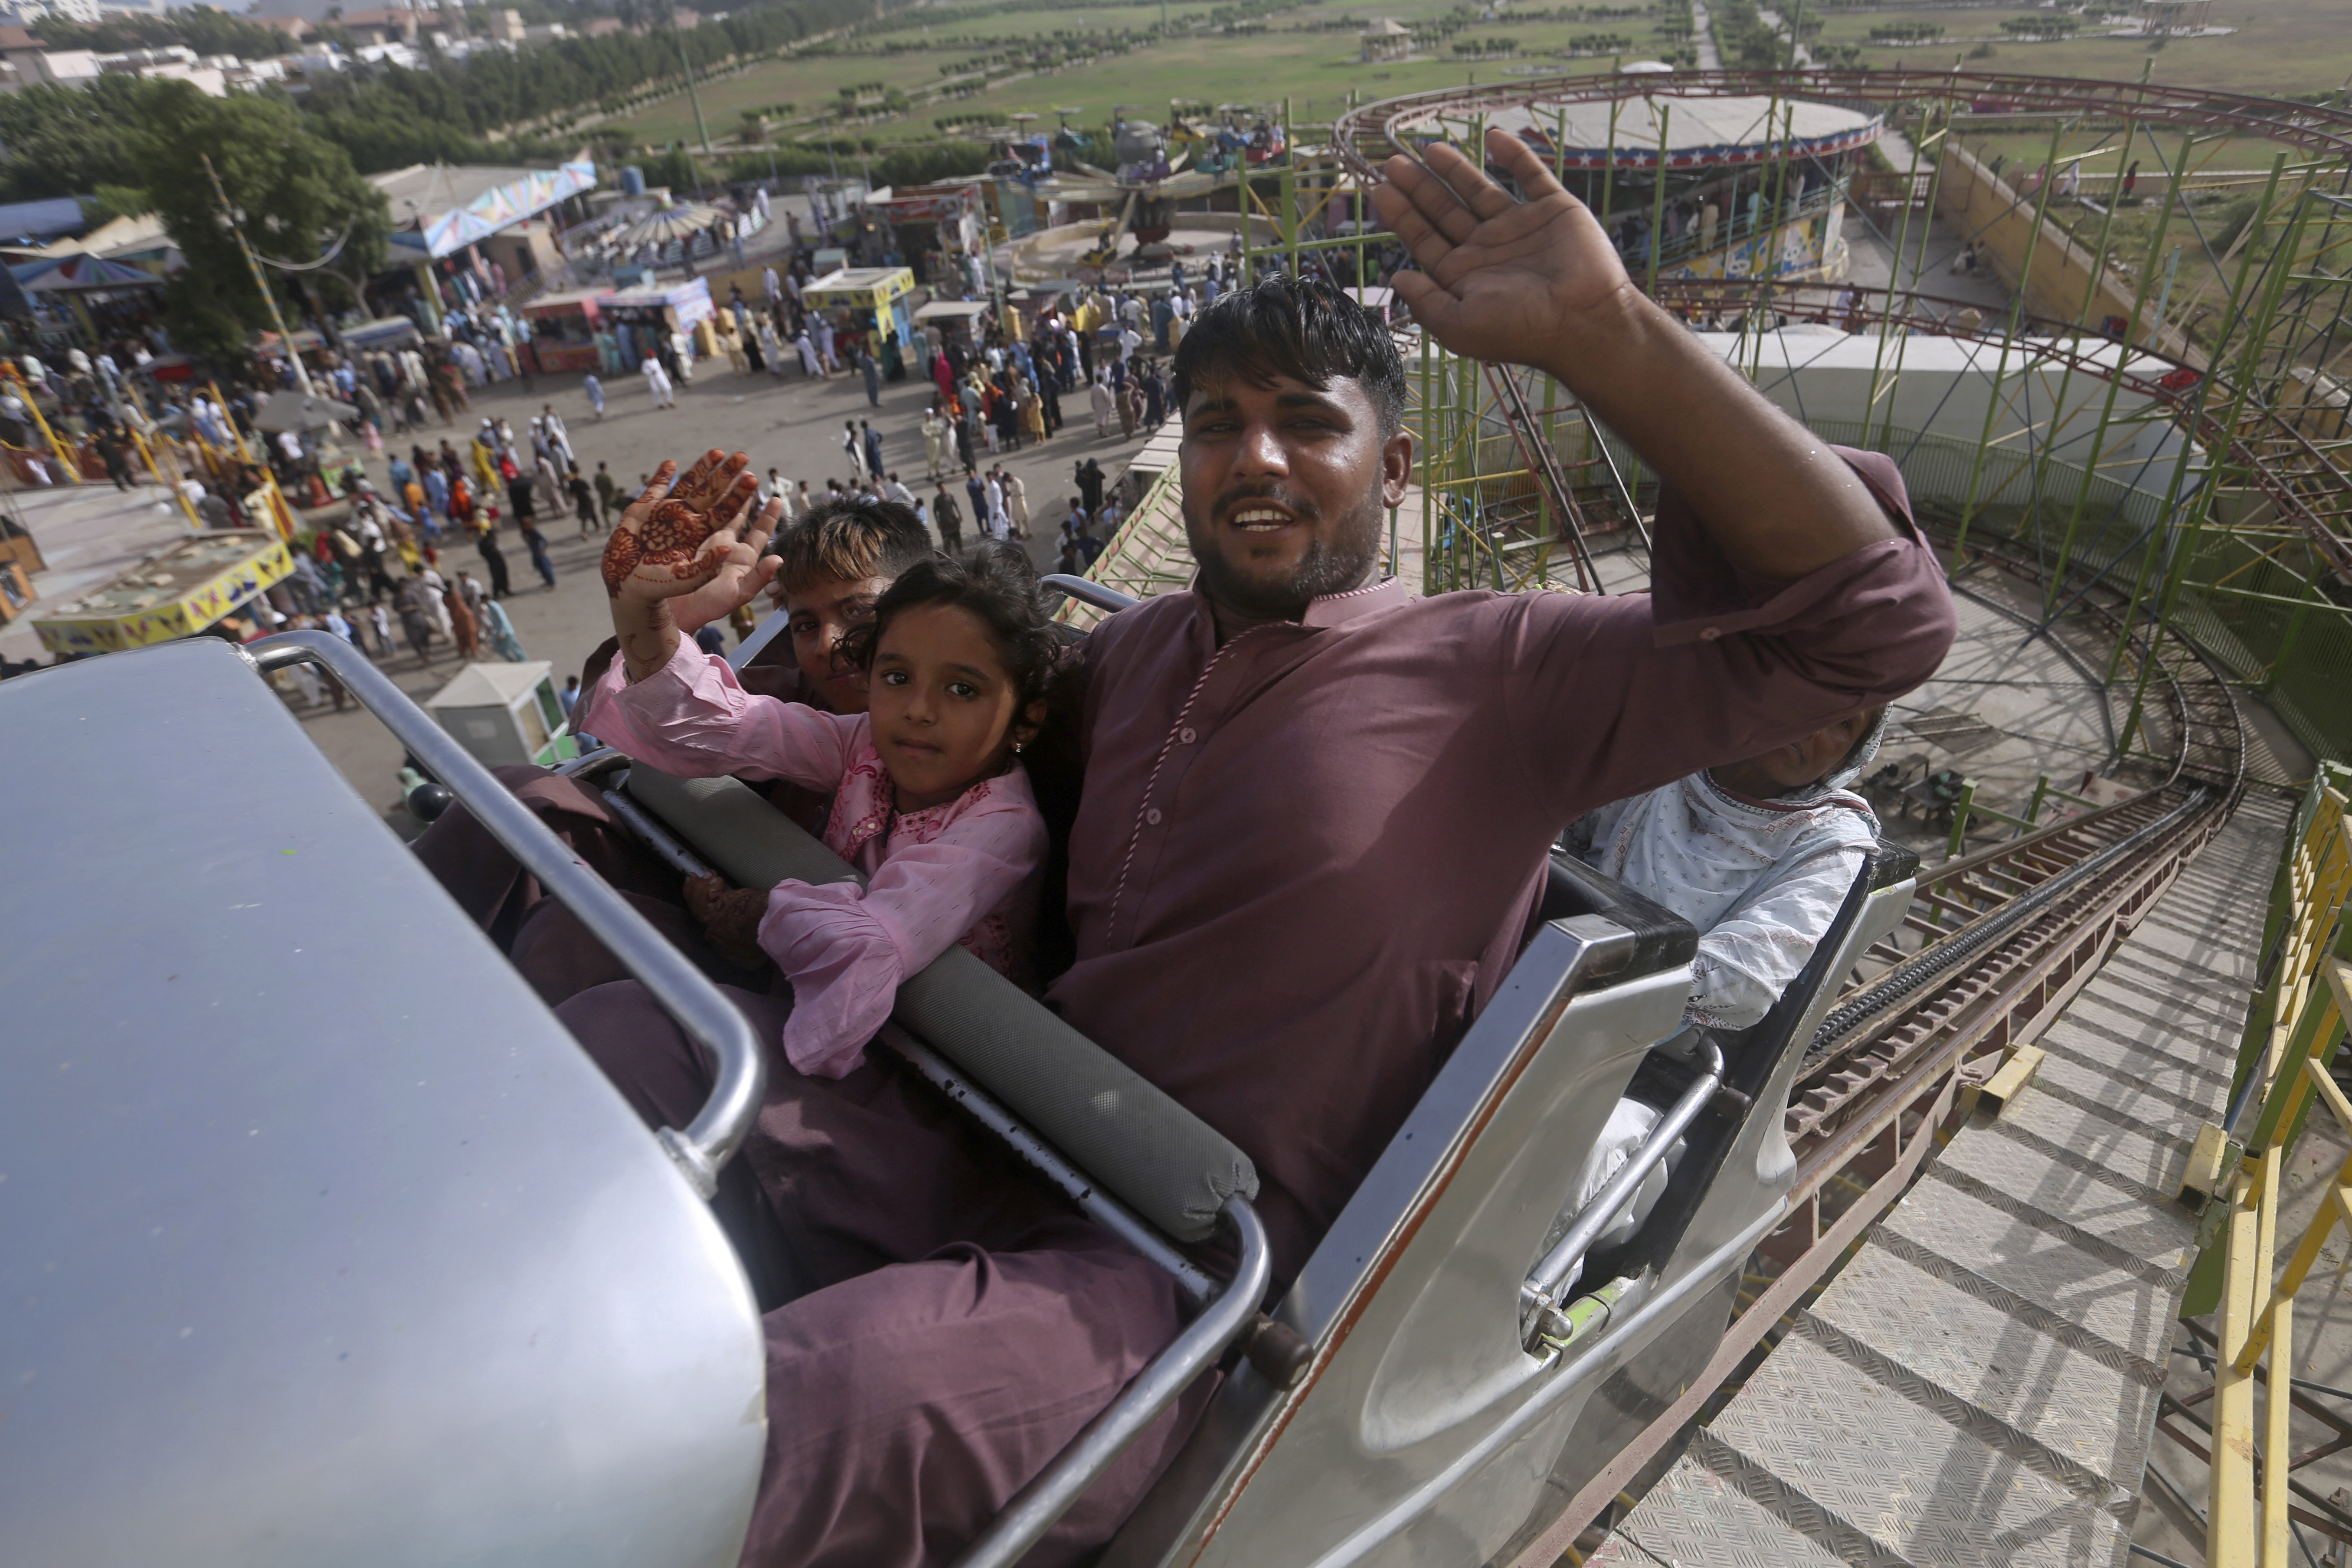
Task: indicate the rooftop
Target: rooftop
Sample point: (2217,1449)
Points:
(441,207)
(1699,130)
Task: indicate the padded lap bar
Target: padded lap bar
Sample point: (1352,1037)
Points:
(1116,1126)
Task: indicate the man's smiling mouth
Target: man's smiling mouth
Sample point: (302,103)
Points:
(1262,519)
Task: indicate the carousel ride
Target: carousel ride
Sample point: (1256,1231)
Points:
(1157,168)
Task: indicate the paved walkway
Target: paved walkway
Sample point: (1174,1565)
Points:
(1980,1384)
(1703,38)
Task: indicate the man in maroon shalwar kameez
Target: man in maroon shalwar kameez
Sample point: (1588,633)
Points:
(1314,819)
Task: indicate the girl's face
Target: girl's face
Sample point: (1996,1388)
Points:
(946,710)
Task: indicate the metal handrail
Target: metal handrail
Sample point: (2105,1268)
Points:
(1544,1283)
(1035,1507)
(1087,591)
(684,992)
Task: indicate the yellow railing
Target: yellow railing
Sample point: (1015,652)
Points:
(2296,1026)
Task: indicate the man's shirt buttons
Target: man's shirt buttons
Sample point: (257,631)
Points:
(1187,736)
(1152,816)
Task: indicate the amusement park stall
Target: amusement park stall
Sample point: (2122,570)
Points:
(180,592)
(670,307)
(564,329)
(879,291)
(929,223)
(1754,187)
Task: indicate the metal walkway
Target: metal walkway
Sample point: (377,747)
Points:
(1978,1385)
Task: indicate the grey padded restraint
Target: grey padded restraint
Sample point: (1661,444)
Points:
(1114,1124)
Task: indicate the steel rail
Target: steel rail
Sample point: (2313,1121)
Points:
(2208,760)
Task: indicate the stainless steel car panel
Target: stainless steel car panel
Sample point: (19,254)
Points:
(1757,1171)
(324,1243)
(1418,1372)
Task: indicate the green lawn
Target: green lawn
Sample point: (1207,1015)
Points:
(1315,70)
(2280,47)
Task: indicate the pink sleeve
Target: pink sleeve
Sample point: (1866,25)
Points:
(692,717)
(846,949)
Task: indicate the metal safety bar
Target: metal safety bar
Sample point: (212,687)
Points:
(1543,1286)
(1087,591)
(1075,1185)
(1035,1507)
(684,992)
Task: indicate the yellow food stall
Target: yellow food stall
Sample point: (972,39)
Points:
(881,291)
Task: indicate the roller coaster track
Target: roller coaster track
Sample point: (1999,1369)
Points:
(2002,931)
(1366,135)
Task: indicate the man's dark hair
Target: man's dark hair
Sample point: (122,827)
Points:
(850,541)
(1300,327)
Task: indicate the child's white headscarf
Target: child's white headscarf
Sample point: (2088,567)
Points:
(1703,852)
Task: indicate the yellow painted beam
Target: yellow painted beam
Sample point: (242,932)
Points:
(2013,1076)
(2203,1179)
(2230,1515)
(2277,1452)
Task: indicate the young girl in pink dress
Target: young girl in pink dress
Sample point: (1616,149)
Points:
(930,800)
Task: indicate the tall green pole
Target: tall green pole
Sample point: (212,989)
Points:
(2000,363)
(1920,259)
(2123,355)
(696,97)
(2098,272)
(2249,363)
(1658,205)
(1894,285)
(278,318)
(1608,164)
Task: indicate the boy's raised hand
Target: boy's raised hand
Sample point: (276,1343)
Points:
(1500,279)
(671,543)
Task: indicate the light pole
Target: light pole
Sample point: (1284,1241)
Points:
(695,98)
(228,222)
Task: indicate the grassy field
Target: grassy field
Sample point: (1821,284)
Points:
(1316,70)
(2279,46)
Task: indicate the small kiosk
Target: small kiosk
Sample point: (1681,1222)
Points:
(563,330)
(506,713)
(879,291)
(957,320)
(663,308)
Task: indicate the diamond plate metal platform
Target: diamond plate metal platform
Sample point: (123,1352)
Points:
(1978,1385)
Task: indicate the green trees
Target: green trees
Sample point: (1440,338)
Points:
(296,195)
(207,29)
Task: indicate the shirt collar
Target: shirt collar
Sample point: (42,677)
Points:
(1330,609)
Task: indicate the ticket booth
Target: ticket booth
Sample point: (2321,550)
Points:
(506,713)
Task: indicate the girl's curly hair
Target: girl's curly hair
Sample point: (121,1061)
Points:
(994,581)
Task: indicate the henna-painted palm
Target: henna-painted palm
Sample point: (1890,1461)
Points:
(674,540)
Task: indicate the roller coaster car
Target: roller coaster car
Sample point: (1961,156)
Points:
(327,1244)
